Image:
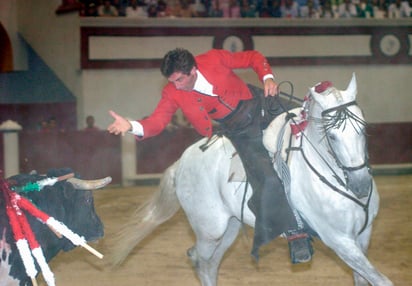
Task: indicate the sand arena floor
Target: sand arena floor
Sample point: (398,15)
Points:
(161,260)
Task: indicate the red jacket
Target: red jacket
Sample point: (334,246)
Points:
(217,67)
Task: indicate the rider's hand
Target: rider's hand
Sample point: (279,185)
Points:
(120,125)
(270,87)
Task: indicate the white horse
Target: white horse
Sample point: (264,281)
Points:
(330,187)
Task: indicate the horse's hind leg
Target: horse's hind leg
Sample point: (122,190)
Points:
(207,254)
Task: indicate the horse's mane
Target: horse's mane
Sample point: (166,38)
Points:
(343,116)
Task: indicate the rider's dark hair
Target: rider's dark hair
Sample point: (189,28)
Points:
(177,60)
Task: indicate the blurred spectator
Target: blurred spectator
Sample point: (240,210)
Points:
(309,10)
(248,9)
(120,6)
(49,125)
(162,10)
(152,10)
(216,8)
(90,9)
(302,3)
(290,9)
(52,124)
(208,4)
(106,9)
(347,9)
(327,10)
(90,124)
(215,11)
(335,6)
(365,9)
(136,9)
(270,9)
(264,9)
(199,8)
(399,9)
(43,126)
(234,9)
(185,10)
(228,8)
(173,7)
(379,9)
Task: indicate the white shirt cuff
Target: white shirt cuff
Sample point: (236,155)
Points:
(137,128)
(268,76)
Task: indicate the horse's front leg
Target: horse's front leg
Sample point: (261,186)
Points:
(353,254)
(363,241)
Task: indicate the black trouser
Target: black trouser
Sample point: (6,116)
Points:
(268,202)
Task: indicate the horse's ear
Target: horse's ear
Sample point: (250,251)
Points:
(352,89)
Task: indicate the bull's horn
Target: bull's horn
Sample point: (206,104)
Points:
(89,184)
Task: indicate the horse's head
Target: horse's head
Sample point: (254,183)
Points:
(343,125)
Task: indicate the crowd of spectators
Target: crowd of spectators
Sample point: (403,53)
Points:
(248,8)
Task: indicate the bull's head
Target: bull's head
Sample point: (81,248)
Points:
(69,201)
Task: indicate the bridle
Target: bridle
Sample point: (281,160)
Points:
(341,110)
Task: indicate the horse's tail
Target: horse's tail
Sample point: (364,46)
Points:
(159,208)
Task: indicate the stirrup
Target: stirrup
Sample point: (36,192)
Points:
(300,247)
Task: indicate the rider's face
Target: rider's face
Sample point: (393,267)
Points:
(183,81)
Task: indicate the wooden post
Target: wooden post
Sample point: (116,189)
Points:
(9,130)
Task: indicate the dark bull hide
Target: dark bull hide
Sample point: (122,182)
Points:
(71,206)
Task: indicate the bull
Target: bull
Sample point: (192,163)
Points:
(70,202)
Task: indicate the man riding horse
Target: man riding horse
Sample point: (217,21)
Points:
(206,88)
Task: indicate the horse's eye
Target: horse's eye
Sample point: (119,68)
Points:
(332,137)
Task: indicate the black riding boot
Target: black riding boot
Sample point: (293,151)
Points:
(268,202)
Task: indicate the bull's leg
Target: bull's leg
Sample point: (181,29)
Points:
(207,254)
(351,252)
